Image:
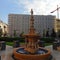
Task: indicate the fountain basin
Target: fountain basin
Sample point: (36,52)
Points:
(21,54)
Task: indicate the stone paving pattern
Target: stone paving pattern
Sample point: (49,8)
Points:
(54,53)
(6,55)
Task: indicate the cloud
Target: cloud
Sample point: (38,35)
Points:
(42,7)
(37,6)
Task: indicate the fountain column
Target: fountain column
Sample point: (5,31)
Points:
(32,37)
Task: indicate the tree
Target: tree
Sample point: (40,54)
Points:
(14,33)
(5,33)
(53,34)
(44,33)
(47,33)
(21,34)
(1,32)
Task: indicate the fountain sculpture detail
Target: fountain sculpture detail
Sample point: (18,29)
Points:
(31,51)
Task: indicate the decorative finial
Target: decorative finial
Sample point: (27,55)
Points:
(31,11)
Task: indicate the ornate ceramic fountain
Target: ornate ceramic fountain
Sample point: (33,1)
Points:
(31,51)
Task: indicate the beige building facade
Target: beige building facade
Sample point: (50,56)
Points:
(57,26)
(4,28)
(20,23)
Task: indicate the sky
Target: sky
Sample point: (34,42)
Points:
(40,7)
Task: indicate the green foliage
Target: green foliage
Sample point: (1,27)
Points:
(10,39)
(53,34)
(1,33)
(47,44)
(21,34)
(9,43)
(14,33)
(48,39)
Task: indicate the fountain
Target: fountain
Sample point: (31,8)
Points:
(31,51)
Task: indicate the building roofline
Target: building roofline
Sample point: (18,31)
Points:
(29,15)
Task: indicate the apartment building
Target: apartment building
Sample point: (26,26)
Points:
(20,23)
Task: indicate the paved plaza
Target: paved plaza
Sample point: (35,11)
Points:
(55,53)
(6,55)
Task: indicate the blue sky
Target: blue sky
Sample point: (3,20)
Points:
(40,7)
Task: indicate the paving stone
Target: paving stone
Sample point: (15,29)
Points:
(6,54)
(54,53)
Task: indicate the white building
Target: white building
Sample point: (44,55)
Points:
(20,23)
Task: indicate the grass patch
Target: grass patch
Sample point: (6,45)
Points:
(9,43)
(47,44)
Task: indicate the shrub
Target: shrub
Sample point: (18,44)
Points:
(10,39)
(48,39)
